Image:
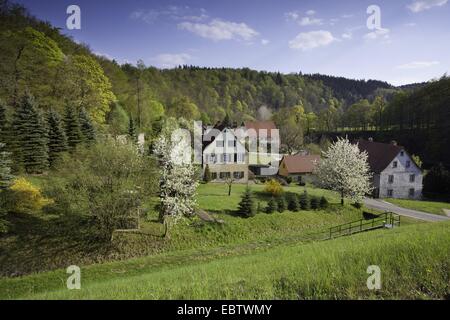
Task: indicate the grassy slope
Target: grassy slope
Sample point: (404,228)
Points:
(414,262)
(425,206)
(42,243)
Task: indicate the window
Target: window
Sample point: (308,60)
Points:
(212,158)
(219,144)
(390,193)
(213,175)
(238,175)
(394,164)
(402,153)
(232,143)
(391,179)
(412,192)
(408,164)
(222,158)
(412,178)
(225,175)
(241,157)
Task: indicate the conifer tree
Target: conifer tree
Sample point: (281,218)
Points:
(5,168)
(271,206)
(281,203)
(132,130)
(207,176)
(72,126)
(57,139)
(30,136)
(314,203)
(4,127)
(293,204)
(304,203)
(87,128)
(323,203)
(247,206)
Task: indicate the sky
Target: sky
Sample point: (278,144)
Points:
(410,42)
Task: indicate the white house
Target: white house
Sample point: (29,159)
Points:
(395,174)
(225,156)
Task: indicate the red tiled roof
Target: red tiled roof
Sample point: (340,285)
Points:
(380,154)
(300,163)
(261,125)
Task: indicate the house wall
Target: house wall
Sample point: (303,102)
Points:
(236,159)
(401,184)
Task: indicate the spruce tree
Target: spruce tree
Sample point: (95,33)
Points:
(72,127)
(57,139)
(293,204)
(304,203)
(207,176)
(87,128)
(5,168)
(323,203)
(30,136)
(281,203)
(3,124)
(132,130)
(271,206)
(247,206)
(314,203)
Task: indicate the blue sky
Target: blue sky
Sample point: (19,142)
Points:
(325,36)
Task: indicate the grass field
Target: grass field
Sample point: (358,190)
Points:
(414,262)
(435,207)
(46,242)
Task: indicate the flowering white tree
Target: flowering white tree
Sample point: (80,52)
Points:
(345,169)
(178,185)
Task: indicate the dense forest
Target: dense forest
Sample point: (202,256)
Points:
(56,73)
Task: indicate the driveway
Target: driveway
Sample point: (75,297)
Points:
(386,206)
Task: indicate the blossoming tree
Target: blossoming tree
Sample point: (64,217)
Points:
(178,185)
(345,169)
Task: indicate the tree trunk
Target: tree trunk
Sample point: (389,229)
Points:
(342,198)
(229,190)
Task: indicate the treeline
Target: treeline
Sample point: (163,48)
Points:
(33,140)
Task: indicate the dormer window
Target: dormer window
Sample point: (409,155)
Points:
(394,164)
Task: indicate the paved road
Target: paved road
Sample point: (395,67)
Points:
(386,206)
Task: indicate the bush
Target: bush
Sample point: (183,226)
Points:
(314,203)
(281,203)
(247,206)
(293,203)
(323,203)
(271,206)
(304,203)
(288,180)
(274,188)
(358,205)
(23,197)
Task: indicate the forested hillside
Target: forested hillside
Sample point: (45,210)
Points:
(37,59)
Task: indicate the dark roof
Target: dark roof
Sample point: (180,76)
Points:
(380,154)
(300,163)
(261,125)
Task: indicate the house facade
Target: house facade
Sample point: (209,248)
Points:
(395,174)
(299,167)
(225,156)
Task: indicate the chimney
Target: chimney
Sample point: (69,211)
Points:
(370,139)
(393,142)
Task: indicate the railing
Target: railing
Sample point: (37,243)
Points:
(385,220)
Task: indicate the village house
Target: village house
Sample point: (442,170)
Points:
(395,174)
(299,167)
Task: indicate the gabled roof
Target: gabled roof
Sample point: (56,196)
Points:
(380,154)
(261,125)
(300,163)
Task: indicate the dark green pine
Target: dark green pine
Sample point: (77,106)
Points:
(87,128)
(30,136)
(132,130)
(247,206)
(3,124)
(5,168)
(72,127)
(57,139)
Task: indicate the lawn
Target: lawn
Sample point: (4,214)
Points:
(414,262)
(434,207)
(39,243)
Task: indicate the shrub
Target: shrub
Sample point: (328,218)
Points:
(271,206)
(323,203)
(314,203)
(274,188)
(281,204)
(304,203)
(288,180)
(293,203)
(207,176)
(358,205)
(23,197)
(246,206)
